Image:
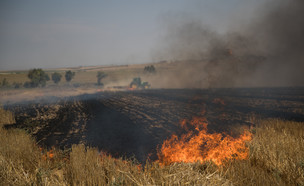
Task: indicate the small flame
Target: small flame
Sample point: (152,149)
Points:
(48,155)
(218,101)
(131,88)
(139,167)
(198,145)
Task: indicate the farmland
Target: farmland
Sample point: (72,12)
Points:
(135,122)
(119,135)
(66,128)
(152,93)
(87,75)
(126,135)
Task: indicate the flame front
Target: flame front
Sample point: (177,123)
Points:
(199,146)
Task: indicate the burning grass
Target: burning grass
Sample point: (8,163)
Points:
(275,156)
(23,163)
(197,145)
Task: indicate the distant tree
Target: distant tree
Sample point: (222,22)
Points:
(4,83)
(38,78)
(69,75)
(100,76)
(150,69)
(56,77)
(27,84)
(17,85)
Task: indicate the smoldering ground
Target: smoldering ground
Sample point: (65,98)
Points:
(266,50)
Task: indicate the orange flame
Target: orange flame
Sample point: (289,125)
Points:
(198,145)
(218,101)
(48,155)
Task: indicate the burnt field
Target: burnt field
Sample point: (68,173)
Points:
(135,123)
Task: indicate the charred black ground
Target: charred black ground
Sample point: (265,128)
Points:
(134,123)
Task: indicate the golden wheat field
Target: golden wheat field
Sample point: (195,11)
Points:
(23,162)
(155,137)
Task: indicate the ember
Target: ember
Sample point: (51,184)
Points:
(218,101)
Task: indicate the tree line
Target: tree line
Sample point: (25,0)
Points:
(38,78)
(150,69)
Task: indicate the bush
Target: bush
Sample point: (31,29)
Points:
(100,76)
(38,78)
(56,77)
(150,69)
(27,84)
(4,83)
(69,75)
(17,85)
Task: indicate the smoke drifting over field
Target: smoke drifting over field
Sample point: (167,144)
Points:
(267,51)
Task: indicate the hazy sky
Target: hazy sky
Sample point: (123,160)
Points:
(67,33)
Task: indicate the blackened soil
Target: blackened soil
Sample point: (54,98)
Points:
(134,123)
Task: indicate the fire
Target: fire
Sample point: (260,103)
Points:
(50,154)
(218,101)
(47,154)
(197,145)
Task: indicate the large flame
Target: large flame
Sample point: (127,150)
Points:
(199,146)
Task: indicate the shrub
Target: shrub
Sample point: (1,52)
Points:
(38,78)
(56,77)
(150,69)
(4,83)
(27,84)
(17,85)
(100,76)
(69,75)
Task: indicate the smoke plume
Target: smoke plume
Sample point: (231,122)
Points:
(267,51)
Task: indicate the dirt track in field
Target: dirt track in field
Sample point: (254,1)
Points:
(134,123)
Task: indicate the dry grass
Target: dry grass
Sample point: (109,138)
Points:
(21,161)
(278,147)
(14,77)
(6,117)
(276,158)
(88,167)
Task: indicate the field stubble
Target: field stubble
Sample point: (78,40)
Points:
(22,162)
(133,124)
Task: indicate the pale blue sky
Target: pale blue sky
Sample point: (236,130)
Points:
(67,33)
